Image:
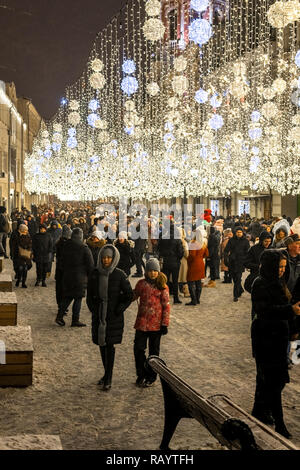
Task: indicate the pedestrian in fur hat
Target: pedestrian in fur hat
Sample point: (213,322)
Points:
(152,320)
(95,242)
(109,294)
(22,254)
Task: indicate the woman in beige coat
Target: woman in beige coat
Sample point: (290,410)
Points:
(182,278)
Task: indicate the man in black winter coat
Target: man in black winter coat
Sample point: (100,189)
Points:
(138,252)
(76,264)
(42,251)
(171,251)
(109,294)
(213,261)
(235,252)
(66,235)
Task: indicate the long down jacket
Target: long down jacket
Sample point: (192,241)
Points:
(120,296)
(274,321)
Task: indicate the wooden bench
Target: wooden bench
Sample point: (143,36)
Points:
(5,282)
(8,309)
(17,370)
(30,442)
(233,427)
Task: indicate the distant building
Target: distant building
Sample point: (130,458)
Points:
(19,125)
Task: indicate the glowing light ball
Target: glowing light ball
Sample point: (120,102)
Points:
(269,110)
(255,133)
(97,65)
(97,81)
(199,5)
(74,118)
(129,106)
(94,105)
(153,89)
(216,122)
(129,67)
(74,105)
(297,59)
(216,101)
(200,31)
(255,116)
(129,85)
(295,97)
(201,96)
(92,118)
(154,29)
(153,8)
(180,64)
(72,142)
(180,85)
(279,85)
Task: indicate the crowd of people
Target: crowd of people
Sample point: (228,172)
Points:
(95,257)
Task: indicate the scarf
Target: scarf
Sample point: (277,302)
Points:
(104,274)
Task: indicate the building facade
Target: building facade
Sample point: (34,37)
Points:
(19,125)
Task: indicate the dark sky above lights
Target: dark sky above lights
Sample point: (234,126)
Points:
(45,44)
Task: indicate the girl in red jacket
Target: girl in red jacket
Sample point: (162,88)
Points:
(152,319)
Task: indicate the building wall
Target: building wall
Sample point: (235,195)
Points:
(19,125)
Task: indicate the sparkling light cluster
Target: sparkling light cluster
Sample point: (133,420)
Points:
(150,119)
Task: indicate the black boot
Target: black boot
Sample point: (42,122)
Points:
(103,357)
(110,359)
(262,414)
(37,283)
(176,300)
(192,289)
(281,429)
(198,292)
(18,282)
(59,319)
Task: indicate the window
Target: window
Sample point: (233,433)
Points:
(173,24)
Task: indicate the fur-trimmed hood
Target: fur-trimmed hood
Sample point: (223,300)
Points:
(95,243)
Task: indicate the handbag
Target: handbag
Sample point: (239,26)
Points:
(24,253)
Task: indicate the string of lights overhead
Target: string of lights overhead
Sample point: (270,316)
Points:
(179,97)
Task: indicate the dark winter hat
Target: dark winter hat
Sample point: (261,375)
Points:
(107,251)
(291,239)
(77,235)
(66,232)
(264,235)
(2,210)
(238,228)
(269,264)
(43,226)
(54,222)
(152,265)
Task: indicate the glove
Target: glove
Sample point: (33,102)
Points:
(164,330)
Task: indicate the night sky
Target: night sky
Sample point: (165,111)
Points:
(45,44)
